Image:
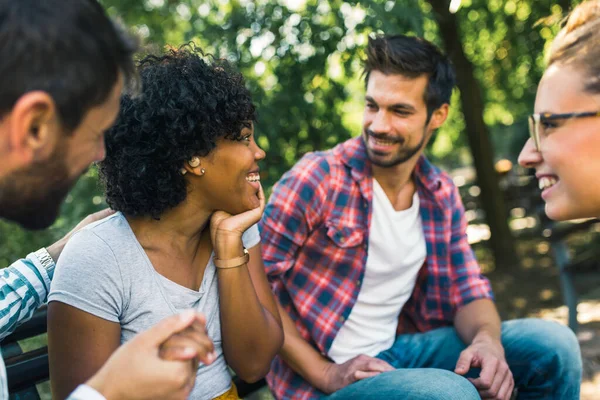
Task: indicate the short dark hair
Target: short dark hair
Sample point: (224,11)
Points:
(413,56)
(69,49)
(188,101)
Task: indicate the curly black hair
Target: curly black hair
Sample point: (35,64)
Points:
(188,101)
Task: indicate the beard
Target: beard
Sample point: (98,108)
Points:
(33,195)
(402,155)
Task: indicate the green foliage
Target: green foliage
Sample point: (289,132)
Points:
(302,61)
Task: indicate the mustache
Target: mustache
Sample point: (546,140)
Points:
(383,136)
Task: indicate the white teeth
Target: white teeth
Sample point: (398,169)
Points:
(254,177)
(546,182)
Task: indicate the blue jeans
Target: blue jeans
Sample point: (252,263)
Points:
(543,356)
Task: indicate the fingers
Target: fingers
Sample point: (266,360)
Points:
(101,214)
(364,366)
(489,369)
(377,365)
(190,343)
(167,327)
(177,353)
(506,388)
(463,365)
(499,388)
(358,375)
(261,198)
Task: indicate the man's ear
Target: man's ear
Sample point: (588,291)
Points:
(438,117)
(33,126)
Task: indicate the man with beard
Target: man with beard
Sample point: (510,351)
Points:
(366,249)
(63,65)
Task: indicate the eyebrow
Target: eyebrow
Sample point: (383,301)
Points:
(396,106)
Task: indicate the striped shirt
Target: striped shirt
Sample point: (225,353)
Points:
(315,233)
(24,286)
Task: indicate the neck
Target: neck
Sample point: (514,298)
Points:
(178,230)
(394,179)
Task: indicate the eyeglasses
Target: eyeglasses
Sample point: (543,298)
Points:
(537,121)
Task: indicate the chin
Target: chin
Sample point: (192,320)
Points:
(564,212)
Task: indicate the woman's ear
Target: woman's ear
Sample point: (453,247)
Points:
(193,166)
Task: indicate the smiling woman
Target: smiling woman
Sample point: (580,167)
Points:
(182,172)
(565,129)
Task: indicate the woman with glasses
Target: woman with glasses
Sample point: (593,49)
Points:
(564,147)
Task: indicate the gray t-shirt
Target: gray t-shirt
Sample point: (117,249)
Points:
(104,271)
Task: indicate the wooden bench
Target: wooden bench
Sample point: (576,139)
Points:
(25,370)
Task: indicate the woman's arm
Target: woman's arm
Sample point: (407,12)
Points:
(250,323)
(79,344)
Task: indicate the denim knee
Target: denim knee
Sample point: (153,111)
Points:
(557,339)
(564,342)
(450,386)
(443,385)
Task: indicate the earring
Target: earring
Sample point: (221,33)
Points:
(202,171)
(194,162)
(183,171)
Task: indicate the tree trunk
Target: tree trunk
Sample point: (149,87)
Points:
(492,200)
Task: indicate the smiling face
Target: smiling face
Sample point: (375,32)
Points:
(395,126)
(567,165)
(231,182)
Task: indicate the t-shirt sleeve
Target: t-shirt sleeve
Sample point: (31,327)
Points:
(251,237)
(88,277)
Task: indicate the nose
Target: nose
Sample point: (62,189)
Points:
(529,156)
(259,154)
(380,122)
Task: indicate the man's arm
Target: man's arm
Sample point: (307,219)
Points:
(476,320)
(317,370)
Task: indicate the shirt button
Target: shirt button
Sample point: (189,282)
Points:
(342,319)
(358,282)
(342,240)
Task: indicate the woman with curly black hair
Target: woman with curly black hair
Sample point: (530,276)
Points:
(181,170)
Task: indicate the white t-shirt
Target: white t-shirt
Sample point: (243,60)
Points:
(397,252)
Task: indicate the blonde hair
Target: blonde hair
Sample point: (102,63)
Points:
(578,43)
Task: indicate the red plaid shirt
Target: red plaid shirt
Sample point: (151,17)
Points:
(315,235)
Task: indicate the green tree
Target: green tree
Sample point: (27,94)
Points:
(302,62)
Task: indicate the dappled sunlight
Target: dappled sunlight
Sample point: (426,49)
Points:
(477,233)
(587,311)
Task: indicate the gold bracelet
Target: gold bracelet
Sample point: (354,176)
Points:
(232,262)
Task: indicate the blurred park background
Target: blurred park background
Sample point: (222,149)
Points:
(302,62)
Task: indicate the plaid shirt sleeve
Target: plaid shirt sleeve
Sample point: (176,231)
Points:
(468,283)
(294,209)
(24,286)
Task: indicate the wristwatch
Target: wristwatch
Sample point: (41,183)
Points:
(232,262)
(44,258)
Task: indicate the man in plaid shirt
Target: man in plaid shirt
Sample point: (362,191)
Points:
(379,291)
